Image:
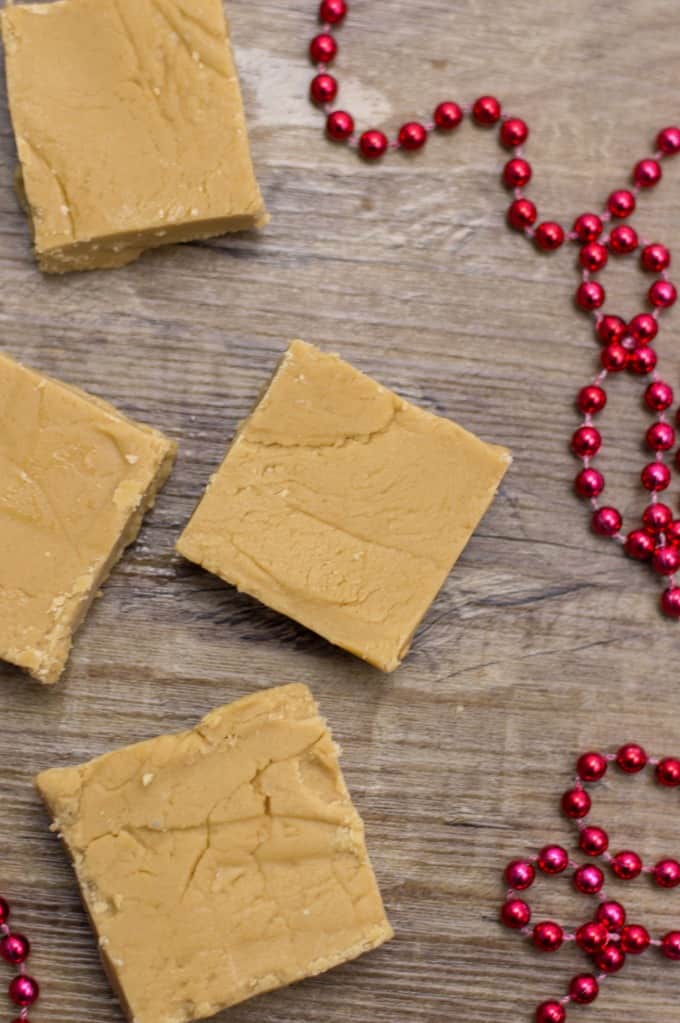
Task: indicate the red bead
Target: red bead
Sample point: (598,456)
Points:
(593,257)
(627,865)
(659,396)
(668,772)
(323,48)
(591,400)
(668,141)
(589,483)
(549,236)
(586,442)
(520,875)
(323,89)
(642,361)
(515,914)
(373,144)
(548,936)
(15,949)
(592,937)
(614,358)
(655,477)
(588,227)
(667,873)
(24,990)
(670,945)
(610,959)
(584,989)
(612,915)
(4,911)
(551,1012)
(594,841)
(553,859)
(663,294)
(522,214)
(591,766)
(606,522)
(643,328)
(340,125)
(639,545)
(660,437)
(514,132)
(656,517)
(448,116)
(666,560)
(623,240)
(647,173)
(590,295)
(487,110)
(672,532)
(655,258)
(632,758)
(576,803)
(412,136)
(621,203)
(516,173)
(670,602)
(588,879)
(635,939)
(611,329)
(332,12)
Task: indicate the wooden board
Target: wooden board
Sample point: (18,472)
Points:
(544,641)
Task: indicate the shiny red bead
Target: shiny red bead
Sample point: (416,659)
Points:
(639,545)
(373,144)
(592,937)
(586,442)
(660,437)
(522,214)
(593,257)
(514,132)
(632,758)
(412,136)
(659,396)
(591,766)
(623,240)
(656,517)
(670,945)
(655,477)
(584,989)
(553,859)
(668,772)
(666,560)
(515,914)
(610,959)
(24,990)
(589,483)
(614,358)
(448,116)
(520,875)
(340,125)
(627,865)
(548,936)
(670,602)
(663,294)
(672,532)
(647,173)
(594,841)
(332,12)
(576,803)
(611,329)
(591,400)
(611,914)
(607,522)
(4,911)
(655,258)
(517,173)
(588,879)
(323,89)
(551,1012)
(642,361)
(323,48)
(621,203)
(643,328)
(667,874)
(668,141)
(588,227)
(486,110)
(549,236)
(635,939)
(15,949)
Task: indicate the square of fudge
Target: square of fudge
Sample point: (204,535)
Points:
(129,127)
(222,862)
(76,479)
(343,506)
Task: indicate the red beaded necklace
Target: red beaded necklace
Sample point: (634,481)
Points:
(625,346)
(15,949)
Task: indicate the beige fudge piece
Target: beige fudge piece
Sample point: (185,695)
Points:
(222,862)
(76,478)
(129,126)
(343,506)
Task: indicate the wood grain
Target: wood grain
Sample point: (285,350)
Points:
(544,640)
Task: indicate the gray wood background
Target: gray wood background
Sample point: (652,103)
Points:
(544,641)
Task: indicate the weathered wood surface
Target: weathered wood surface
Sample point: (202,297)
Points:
(544,640)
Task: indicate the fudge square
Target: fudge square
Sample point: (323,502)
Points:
(222,862)
(76,478)
(343,506)
(129,127)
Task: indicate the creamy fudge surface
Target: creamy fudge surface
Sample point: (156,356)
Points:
(76,478)
(222,862)
(343,506)
(129,126)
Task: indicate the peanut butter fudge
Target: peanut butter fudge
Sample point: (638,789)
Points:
(129,126)
(76,478)
(343,506)
(222,862)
